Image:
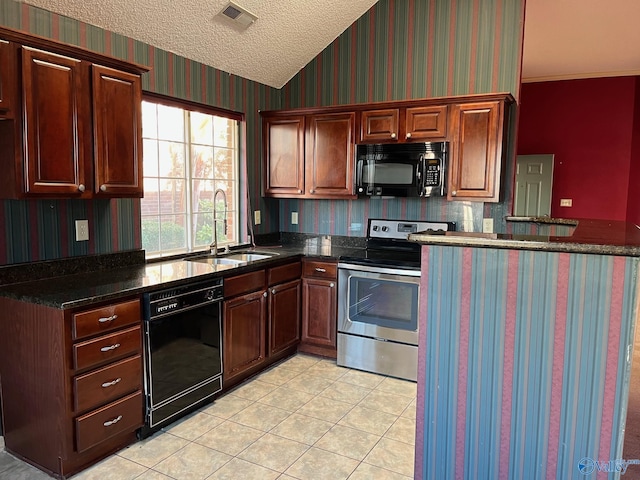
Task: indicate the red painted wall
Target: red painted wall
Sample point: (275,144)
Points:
(633,202)
(588,125)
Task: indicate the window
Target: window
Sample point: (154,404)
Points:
(191,165)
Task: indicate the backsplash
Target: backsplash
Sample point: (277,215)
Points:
(404,50)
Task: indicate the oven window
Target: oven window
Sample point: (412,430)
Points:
(185,351)
(385,303)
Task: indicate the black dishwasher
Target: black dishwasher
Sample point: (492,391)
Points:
(183,350)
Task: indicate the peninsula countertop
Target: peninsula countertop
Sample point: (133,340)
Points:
(600,237)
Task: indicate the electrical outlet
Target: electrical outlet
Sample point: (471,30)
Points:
(256,217)
(487,225)
(566,202)
(294,218)
(82,230)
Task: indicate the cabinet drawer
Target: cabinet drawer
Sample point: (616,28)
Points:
(240,284)
(108,383)
(106,348)
(284,273)
(124,415)
(320,269)
(105,319)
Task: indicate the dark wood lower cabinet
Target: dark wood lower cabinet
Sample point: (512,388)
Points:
(244,330)
(261,320)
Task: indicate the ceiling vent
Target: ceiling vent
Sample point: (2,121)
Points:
(238,15)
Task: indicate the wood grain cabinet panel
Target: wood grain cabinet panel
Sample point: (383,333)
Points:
(107,348)
(378,126)
(244,327)
(7,79)
(426,123)
(117,132)
(105,319)
(55,133)
(284,156)
(476,151)
(330,160)
(319,308)
(284,316)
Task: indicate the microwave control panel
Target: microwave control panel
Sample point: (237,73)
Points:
(433,173)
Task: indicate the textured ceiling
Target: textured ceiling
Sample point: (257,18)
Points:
(566,39)
(287,35)
(563,38)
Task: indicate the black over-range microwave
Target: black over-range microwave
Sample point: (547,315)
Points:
(402,169)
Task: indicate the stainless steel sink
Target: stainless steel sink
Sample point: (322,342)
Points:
(239,258)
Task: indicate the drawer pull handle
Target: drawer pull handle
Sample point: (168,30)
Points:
(108,423)
(111,384)
(108,319)
(110,347)
(321,270)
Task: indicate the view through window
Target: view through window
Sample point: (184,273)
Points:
(190,178)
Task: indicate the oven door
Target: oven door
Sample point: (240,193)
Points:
(378,302)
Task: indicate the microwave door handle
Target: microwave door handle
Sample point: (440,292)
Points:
(420,176)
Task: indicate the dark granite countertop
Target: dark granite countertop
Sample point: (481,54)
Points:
(544,220)
(599,237)
(79,289)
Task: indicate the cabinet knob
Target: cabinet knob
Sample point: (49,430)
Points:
(393,135)
(299,191)
(81,188)
(312,191)
(408,135)
(454,193)
(273,291)
(331,285)
(103,188)
(265,294)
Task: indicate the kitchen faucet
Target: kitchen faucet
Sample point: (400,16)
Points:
(214,244)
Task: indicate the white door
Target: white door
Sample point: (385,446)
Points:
(534,178)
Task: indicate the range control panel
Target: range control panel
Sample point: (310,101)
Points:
(400,229)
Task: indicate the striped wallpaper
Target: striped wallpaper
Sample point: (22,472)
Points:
(43,229)
(399,49)
(523,368)
(404,49)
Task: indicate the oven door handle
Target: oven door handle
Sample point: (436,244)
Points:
(384,270)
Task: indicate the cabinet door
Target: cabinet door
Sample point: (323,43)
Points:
(244,333)
(284,316)
(7,79)
(319,312)
(379,125)
(117,132)
(284,156)
(476,151)
(55,133)
(426,123)
(330,156)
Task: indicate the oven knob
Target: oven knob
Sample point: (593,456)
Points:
(385,229)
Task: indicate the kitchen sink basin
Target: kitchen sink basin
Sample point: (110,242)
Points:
(240,258)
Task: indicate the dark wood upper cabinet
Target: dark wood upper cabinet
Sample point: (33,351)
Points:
(117,132)
(54,136)
(7,83)
(284,156)
(403,124)
(73,127)
(330,160)
(309,156)
(476,151)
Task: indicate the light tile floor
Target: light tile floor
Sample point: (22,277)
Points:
(305,418)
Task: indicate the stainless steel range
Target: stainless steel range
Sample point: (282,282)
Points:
(378,300)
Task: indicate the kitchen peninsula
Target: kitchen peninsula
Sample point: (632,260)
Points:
(525,352)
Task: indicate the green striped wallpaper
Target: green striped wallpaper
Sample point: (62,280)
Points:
(405,49)
(43,229)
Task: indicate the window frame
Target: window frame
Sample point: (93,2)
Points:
(239,117)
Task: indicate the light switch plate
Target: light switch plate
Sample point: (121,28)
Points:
(256,217)
(487,225)
(566,202)
(82,230)
(294,218)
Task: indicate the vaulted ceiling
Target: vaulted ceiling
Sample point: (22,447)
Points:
(563,38)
